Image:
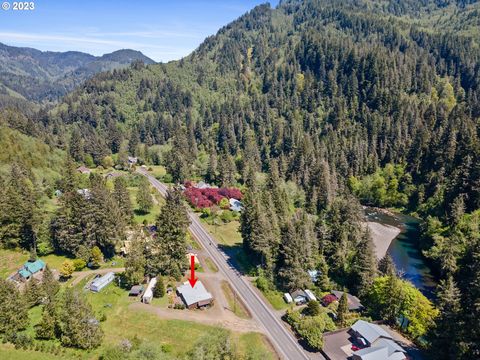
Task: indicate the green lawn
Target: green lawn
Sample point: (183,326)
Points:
(11,260)
(234,303)
(225,234)
(158,171)
(275,298)
(8,352)
(151,216)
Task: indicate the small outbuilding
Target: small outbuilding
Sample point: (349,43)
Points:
(135,290)
(310,295)
(148,294)
(101,282)
(195,297)
(288,298)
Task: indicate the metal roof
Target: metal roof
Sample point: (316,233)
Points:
(30,268)
(369,331)
(104,280)
(372,353)
(194,295)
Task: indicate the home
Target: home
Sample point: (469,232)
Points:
(354,303)
(84,170)
(29,269)
(101,282)
(132,160)
(112,175)
(148,294)
(299,297)
(135,290)
(235,205)
(363,341)
(375,343)
(195,297)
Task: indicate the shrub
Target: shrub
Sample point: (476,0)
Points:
(262,283)
(79,264)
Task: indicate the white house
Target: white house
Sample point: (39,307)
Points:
(101,282)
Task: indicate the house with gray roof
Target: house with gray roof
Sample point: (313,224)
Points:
(354,303)
(379,344)
(195,297)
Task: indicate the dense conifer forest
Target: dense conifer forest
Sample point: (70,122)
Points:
(314,108)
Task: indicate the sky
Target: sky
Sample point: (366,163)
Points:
(163,30)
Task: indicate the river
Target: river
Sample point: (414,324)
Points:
(404,249)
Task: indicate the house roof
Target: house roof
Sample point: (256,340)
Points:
(136,289)
(105,279)
(382,349)
(370,332)
(194,295)
(34,266)
(353,302)
(391,345)
(298,293)
(310,295)
(372,353)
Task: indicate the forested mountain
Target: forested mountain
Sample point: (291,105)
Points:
(45,75)
(311,106)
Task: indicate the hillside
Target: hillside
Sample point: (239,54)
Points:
(353,91)
(45,76)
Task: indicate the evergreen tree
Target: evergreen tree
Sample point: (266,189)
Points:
(342,311)
(49,284)
(13,309)
(47,329)
(144,196)
(135,263)
(122,197)
(167,251)
(291,273)
(33,293)
(79,328)
(364,265)
(446,337)
(159,289)
(386,266)
(97,257)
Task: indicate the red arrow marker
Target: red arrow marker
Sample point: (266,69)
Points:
(192,279)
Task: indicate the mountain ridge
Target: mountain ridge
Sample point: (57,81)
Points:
(44,76)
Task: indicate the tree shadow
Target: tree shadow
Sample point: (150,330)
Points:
(238,259)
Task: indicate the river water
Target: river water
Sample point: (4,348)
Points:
(405,251)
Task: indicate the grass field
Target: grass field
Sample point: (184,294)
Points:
(234,303)
(225,234)
(12,260)
(211,265)
(275,298)
(151,216)
(158,171)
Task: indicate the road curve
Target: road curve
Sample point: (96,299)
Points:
(284,342)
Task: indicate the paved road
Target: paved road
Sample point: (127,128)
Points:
(284,342)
